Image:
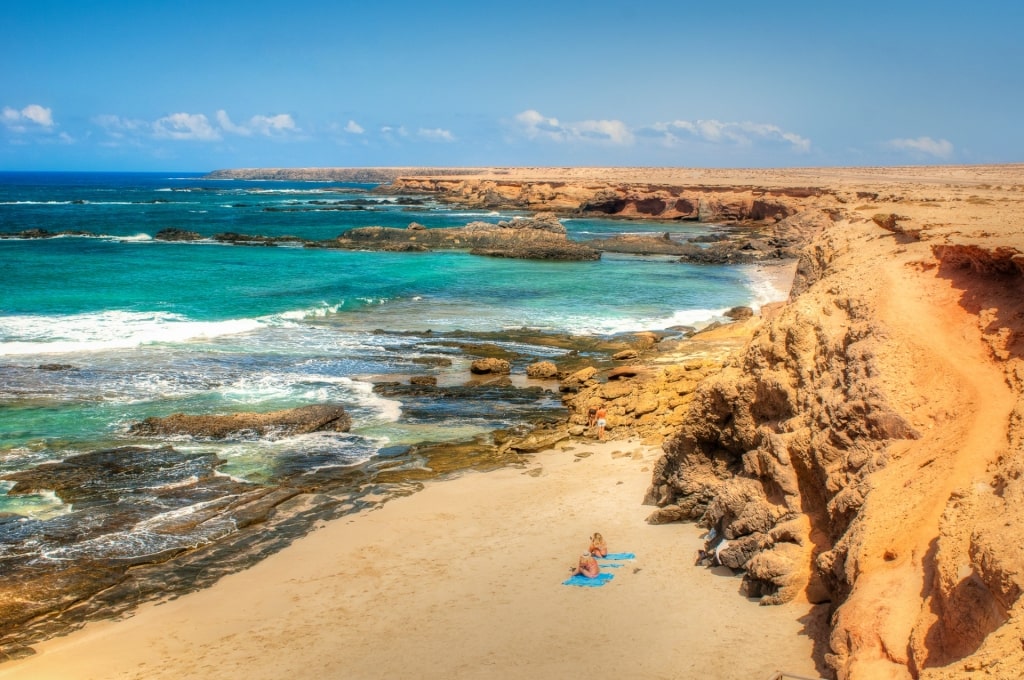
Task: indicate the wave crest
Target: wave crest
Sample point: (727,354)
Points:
(97,331)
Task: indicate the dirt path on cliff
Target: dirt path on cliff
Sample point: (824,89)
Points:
(936,367)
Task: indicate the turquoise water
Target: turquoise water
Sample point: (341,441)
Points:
(152,328)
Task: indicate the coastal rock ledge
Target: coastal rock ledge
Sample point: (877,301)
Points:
(301,420)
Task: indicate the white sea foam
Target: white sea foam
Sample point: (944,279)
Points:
(35,202)
(323,310)
(390,410)
(41,505)
(136,238)
(769,283)
(492,213)
(601,325)
(31,334)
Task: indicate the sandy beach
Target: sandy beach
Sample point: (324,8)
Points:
(463,580)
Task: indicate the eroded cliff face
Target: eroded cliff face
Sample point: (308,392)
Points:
(866,449)
(664,202)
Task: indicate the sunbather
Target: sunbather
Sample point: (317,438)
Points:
(587,566)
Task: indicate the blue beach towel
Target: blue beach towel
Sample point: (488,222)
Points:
(581,580)
(618,556)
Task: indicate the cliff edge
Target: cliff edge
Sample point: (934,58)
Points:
(866,448)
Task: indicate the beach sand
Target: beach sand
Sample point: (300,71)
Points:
(464,580)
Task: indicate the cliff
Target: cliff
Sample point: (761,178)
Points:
(616,199)
(866,447)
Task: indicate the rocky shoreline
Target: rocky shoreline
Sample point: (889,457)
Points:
(860,447)
(540,237)
(242,522)
(845,449)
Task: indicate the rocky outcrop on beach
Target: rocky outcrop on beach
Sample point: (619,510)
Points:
(300,420)
(865,449)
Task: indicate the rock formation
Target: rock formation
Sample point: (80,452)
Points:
(633,200)
(541,237)
(301,420)
(866,449)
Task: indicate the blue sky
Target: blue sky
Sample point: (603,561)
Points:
(153,85)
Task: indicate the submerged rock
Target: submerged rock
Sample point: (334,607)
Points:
(175,234)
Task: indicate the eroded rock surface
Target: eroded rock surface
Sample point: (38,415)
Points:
(301,420)
(866,450)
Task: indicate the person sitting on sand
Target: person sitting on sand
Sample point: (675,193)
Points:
(602,420)
(598,547)
(587,566)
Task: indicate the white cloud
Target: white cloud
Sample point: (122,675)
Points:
(185,126)
(119,128)
(722,132)
(354,127)
(32,116)
(227,125)
(536,125)
(436,134)
(271,125)
(940,148)
(280,124)
(40,115)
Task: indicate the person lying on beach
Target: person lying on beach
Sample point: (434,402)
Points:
(598,546)
(587,566)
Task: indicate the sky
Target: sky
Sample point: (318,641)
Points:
(149,85)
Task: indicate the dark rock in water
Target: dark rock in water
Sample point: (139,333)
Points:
(45,233)
(109,474)
(175,234)
(56,367)
(301,420)
(255,240)
(718,253)
(134,510)
(540,237)
(480,393)
(431,361)
(566,250)
(423,380)
(639,245)
(487,401)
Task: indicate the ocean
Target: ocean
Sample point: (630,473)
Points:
(101,330)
